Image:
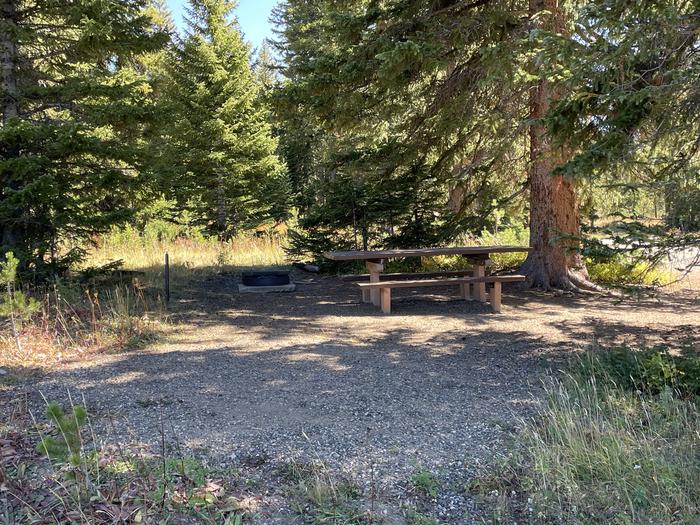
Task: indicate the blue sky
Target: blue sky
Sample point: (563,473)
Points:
(253,17)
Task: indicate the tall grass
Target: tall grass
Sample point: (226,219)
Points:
(75,321)
(189,256)
(115,311)
(603,453)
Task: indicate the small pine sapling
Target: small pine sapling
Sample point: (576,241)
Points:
(13,303)
(66,447)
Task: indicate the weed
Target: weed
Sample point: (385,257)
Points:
(319,497)
(415,517)
(425,482)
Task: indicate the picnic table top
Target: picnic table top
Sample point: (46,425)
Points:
(360,255)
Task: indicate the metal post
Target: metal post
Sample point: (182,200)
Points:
(166,278)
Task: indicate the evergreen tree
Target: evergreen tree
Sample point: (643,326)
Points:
(227,172)
(630,111)
(555,224)
(157,166)
(73,113)
(486,102)
(266,68)
(416,96)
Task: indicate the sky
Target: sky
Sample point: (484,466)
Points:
(253,17)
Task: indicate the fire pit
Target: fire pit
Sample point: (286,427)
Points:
(265,281)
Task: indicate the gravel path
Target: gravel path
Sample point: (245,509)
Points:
(255,381)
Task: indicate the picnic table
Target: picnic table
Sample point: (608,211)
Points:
(375,260)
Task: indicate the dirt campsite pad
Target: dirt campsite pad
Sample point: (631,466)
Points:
(259,382)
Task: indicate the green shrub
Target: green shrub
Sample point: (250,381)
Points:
(511,235)
(13,303)
(609,266)
(647,370)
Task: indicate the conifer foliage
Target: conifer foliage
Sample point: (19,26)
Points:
(227,173)
(73,111)
(411,101)
(401,123)
(412,122)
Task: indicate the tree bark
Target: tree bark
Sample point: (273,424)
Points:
(8,61)
(10,104)
(555,260)
(222,212)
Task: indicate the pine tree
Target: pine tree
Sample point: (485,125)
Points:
(73,112)
(413,95)
(489,102)
(227,172)
(265,68)
(630,113)
(555,224)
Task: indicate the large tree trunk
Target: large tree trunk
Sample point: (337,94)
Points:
(8,60)
(221,208)
(555,261)
(10,103)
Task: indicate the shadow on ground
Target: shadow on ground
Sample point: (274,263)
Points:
(317,374)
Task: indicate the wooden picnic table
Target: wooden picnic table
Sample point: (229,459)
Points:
(478,256)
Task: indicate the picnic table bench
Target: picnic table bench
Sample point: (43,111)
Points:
(378,290)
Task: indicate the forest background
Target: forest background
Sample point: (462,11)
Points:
(568,126)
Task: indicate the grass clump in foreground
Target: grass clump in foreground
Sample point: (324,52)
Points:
(425,482)
(615,444)
(322,499)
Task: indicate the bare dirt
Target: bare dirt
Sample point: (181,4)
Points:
(256,381)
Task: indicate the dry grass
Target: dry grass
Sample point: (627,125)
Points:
(123,311)
(78,321)
(189,258)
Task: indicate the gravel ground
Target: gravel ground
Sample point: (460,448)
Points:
(255,381)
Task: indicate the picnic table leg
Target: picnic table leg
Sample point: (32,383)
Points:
(480,288)
(476,290)
(366,298)
(375,268)
(385,296)
(495,294)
